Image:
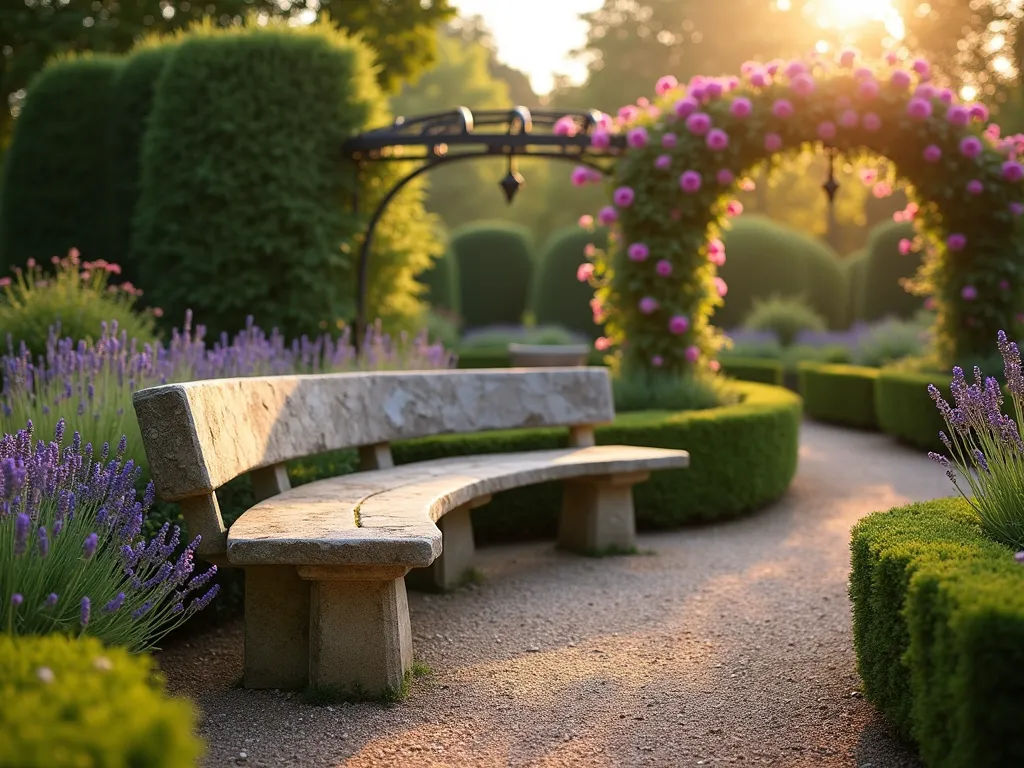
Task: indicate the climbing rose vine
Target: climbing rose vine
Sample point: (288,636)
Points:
(656,287)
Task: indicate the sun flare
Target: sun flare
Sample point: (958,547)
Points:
(850,14)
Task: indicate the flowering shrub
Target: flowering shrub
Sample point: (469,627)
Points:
(66,702)
(985,445)
(73,560)
(656,286)
(77,296)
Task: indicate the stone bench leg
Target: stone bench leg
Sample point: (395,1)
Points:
(276,628)
(360,639)
(458,551)
(597,513)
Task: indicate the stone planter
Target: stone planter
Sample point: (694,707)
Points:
(548,355)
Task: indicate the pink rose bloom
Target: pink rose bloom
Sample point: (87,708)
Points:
(931,304)
(663,267)
(932,154)
(580,176)
(926,91)
(602,343)
(979,112)
(586,221)
(714,89)
(590,250)
(761,79)
(868,176)
(623,197)
(802,85)
(968,293)
(679,324)
(783,109)
(698,123)
(847,57)
(690,182)
(900,79)
(669,140)
(721,287)
(772,142)
(921,66)
(919,108)
(958,115)
(956,242)
(607,215)
(971,147)
(717,139)
(868,90)
(715,366)
(665,84)
(849,118)
(747,67)
(882,189)
(992,131)
(686,106)
(906,246)
(725,177)
(601,139)
(891,58)
(584,272)
(826,130)
(628,113)
(946,96)
(863,73)
(741,107)
(747,185)
(1016,209)
(734,208)
(716,252)
(692,354)
(795,68)
(699,92)
(648,305)
(772,67)
(637,138)
(638,252)
(975,187)
(663,162)
(871,122)
(1013,171)
(657,361)
(565,126)
(643,101)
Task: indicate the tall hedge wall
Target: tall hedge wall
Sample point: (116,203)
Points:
(559,298)
(55,175)
(495,270)
(441,281)
(765,258)
(855,265)
(886,266)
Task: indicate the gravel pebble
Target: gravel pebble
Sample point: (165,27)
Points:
(729,645)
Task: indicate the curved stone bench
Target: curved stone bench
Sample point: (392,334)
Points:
(326,562)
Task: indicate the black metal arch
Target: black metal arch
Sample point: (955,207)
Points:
(448,137)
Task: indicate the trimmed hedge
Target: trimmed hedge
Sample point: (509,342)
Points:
(938,624)
(498,357)
(762,370)
(883,295)
(72,702)
(840,394)
(856,266)
(243,191)
(558,297)
(55,183)
(495,271)
(906,411)
(442,283)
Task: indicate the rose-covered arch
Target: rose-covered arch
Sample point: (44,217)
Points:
(656,287)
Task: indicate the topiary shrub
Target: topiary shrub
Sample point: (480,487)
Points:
(55,183)
(784,317)
(883,294)
(442,284)
(66,703)
(856,265)
(839,394)
(938,628)
(559,297)
(245,198)
(495,270)
(765,258)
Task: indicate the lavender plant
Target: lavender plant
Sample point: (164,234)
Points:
(71,556)
(985,446)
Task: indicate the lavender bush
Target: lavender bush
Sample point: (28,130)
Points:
(71,556)
(985,446)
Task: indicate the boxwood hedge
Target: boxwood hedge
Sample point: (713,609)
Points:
(906,411)
(938,623)
(839,394)
(763,370)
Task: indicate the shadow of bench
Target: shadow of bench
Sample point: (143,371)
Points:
(325,599)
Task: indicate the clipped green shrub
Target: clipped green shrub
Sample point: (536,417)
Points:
(559,298)
(765,259)
(839,394)
(132,95)
(245,198)
(894,340)
(906,411)
(938,626)
(441,281)
(643,392)
(762,370)
(883,295)
(66,703)
(786,317)
(495,270)
(55,183)
(855,265)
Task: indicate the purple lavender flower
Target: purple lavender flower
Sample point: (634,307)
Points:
(86,608)
(1019,557)
(43,542)
(21,526)
(142,610)
(979,457)
(17,599)
(199,603)
(89,546)
(51,600)
(114,604)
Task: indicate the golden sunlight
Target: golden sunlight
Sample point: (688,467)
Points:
(849,14)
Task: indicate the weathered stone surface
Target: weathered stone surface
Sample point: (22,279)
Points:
(316,524)
(199,435)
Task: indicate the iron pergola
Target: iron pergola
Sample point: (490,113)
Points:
(430,141)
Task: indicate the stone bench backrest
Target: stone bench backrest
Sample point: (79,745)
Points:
(200,435)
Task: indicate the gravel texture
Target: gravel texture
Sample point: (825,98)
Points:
(723,645)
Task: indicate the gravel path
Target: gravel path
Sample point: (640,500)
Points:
(727,645)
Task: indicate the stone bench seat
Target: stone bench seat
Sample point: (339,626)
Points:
(387,517)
